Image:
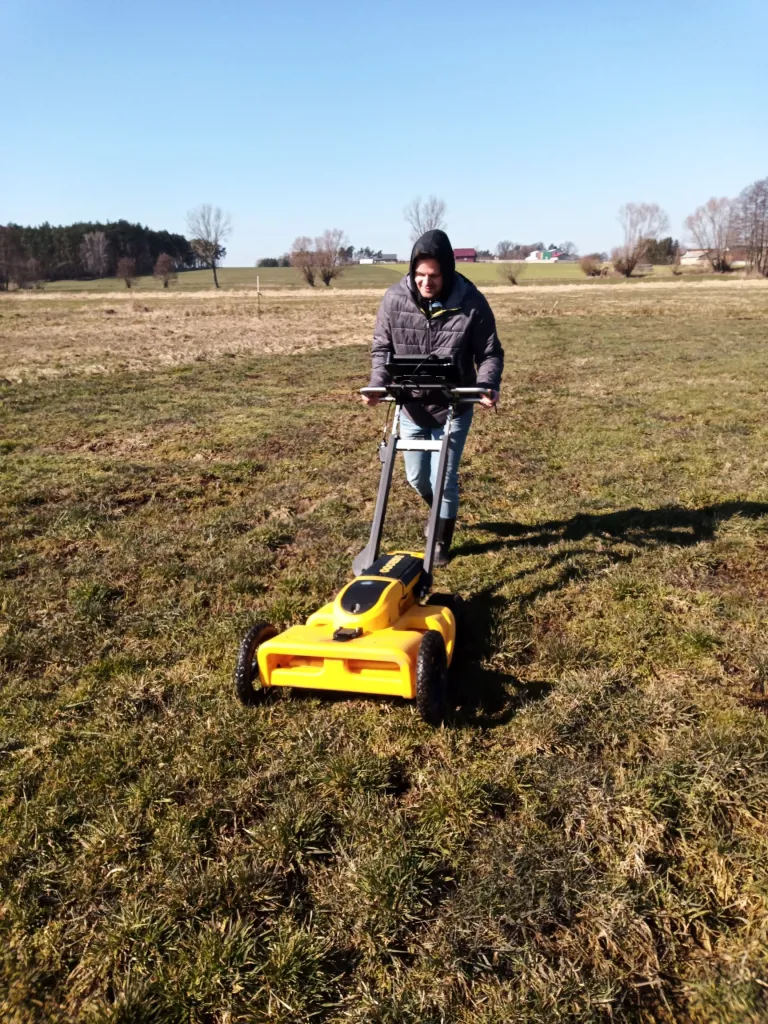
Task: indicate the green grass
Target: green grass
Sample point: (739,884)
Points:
(379,276)
(375,276)
(586,839)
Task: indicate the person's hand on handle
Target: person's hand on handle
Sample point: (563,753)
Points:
(489,401)
(371,400)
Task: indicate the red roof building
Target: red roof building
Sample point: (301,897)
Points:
(465,255)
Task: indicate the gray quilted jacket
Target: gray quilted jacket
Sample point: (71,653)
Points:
(464,329)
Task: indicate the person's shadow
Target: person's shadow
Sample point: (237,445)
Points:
(487,697)
(643,528)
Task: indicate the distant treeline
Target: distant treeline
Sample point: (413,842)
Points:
(86,250)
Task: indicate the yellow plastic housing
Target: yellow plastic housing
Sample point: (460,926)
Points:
(382,660)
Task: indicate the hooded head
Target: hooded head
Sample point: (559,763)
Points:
(434,245)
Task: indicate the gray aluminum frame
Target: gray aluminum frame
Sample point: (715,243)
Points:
(396,444)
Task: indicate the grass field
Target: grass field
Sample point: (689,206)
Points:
(585,841)
(376,276)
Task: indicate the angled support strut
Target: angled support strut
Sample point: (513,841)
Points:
(370,552)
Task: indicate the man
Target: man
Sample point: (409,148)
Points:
(434,310)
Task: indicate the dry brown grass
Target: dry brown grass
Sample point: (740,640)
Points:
(46,335)
(100,334)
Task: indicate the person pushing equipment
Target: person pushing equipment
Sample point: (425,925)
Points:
(385,632)
(435,311)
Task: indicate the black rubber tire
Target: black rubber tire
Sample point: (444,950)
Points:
(432,678)
(247,670)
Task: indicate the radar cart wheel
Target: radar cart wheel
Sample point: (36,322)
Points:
(247,683)
(432,678)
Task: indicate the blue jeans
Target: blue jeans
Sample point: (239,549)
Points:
(421,467)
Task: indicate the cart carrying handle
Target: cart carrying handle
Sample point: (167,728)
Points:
(468,395)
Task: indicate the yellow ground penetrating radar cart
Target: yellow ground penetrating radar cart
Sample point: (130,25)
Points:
(382,634)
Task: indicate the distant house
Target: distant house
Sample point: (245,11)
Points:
(543,256)
(694,257)
(387,257)
(366,260)
(736,257)
(465,255)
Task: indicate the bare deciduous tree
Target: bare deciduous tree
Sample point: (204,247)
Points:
(5,257)
(94,253)
(25,272)
(209,228)
(640,222)
(712,228)
(591,265)
(425,216)
(304,259)
(12,258)
(165,269)
(503,249)
(34,273)
(512,272)
(329,257)
(751,220)
(126,269)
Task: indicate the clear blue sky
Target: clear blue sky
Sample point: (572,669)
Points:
(532,120)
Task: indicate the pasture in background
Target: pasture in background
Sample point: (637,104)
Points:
(354,276)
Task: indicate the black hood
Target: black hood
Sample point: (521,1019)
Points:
(435,245)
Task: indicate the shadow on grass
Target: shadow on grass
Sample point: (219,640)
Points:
(484,697)
(488,697)
(643,528)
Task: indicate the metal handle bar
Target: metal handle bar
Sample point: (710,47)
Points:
(380,393)
(467,395)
